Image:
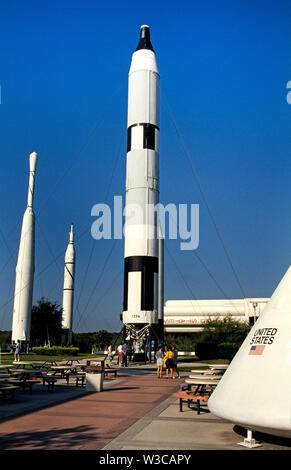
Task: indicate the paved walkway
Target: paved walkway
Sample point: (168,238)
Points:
(89,422)
(136,411)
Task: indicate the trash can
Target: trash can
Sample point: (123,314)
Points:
(94,378)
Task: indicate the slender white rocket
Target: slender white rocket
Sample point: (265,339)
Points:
(142,186)
(68,291)
(25,265)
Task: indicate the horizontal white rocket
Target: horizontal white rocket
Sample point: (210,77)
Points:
(142,185)
(25,265)
(68,290)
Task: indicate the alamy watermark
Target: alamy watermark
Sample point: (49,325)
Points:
(154,221)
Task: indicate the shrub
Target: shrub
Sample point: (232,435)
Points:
(55,351)
(206,350)
(227,350)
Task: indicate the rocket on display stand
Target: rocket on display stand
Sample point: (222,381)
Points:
(68,291)
(25,265)
(141,251)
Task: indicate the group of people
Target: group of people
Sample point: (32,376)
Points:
(122,355)
(169,359)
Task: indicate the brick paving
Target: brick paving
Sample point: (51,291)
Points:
(89,422)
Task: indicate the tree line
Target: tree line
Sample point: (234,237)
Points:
(46,329)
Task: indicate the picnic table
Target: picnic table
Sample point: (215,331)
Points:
(204,377)
(70,362)
(6,366)
(64,370)
(4,376)
(203,373)
(25,372)
(202,384)
(27,363)
(218,366)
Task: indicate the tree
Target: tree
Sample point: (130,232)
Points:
(46,323)
(103,339)
(226,330)
(5,339)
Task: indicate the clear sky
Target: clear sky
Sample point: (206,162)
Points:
(224,69)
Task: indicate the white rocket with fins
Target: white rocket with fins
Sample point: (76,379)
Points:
(25,265)
(142,186)
(68,291)
(255,391)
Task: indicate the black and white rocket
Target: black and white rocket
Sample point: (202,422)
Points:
(25,265)
(140,300)
(68,290)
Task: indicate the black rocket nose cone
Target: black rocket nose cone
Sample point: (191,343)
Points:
(144,42)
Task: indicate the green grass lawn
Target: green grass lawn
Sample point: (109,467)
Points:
(9,358)
(206,361)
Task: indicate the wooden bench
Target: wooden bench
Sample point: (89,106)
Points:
(30,383)
(79,378)
(17,381)
(8,390)
(184,396)
(110,371)
(50,380)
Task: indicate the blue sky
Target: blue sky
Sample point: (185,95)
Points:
(224,69)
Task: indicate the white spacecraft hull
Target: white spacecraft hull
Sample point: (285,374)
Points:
(255,391)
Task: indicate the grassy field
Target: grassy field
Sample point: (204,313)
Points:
(9,358)
(206,361)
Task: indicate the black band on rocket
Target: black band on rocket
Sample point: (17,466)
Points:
(148,138)
(147,265)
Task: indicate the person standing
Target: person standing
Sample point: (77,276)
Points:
(124,354)
(119,356)
(17,352)
(168,360)
(175,361)
(159,358)
(109,357)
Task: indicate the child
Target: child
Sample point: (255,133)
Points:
(159,358)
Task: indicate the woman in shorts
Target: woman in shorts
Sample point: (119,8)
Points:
(159,358)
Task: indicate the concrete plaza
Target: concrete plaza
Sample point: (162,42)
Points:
(135,411)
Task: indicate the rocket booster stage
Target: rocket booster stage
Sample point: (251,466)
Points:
(25,265)
(142,185)
(68,291)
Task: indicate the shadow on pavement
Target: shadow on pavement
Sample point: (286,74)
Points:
(58,438)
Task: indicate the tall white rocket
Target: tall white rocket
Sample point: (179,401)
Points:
(68,291)
(25,265)
(142,186)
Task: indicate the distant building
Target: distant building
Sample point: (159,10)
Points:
(187,316)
